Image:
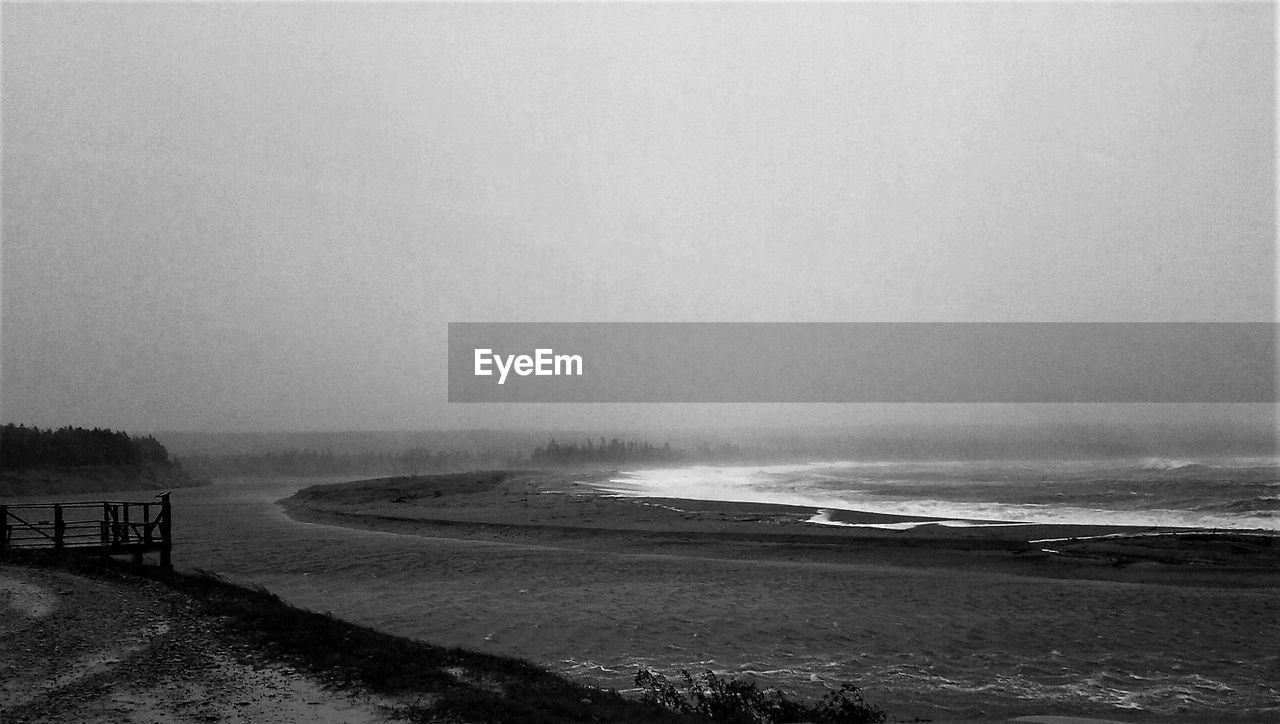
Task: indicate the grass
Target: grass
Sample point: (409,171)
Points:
(742,702)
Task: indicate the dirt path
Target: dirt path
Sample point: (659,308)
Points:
(89,650)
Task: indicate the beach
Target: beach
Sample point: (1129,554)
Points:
(935,621)
(926,350)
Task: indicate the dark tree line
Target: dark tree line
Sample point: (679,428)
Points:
(618,451)
(23,447)
(320,462)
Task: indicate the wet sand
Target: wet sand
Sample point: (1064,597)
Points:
(569,510)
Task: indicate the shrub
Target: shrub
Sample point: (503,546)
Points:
(742,702)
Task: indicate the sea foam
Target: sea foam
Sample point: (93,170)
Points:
(1146,493)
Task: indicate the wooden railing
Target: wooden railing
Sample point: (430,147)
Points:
(106,528)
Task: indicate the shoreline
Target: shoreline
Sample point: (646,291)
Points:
(563,509)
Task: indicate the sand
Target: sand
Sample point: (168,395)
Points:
(93,650)
(569,510)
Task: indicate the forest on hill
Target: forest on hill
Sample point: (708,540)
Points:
(631,451)
(37,461)
(23,447)
(308,461)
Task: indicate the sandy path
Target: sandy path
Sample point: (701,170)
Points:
(92,651)
(22,602)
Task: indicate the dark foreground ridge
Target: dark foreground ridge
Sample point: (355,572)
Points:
(430,683)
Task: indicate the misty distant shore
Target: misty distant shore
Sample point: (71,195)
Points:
(48,483)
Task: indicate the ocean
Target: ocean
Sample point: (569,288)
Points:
(1226,493)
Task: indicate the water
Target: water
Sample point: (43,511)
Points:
(1237,493)
(921,642)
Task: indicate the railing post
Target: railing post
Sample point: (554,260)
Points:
(59,528)
(4,527)
(128,533)
(105,527)
(146,523)
(166,532)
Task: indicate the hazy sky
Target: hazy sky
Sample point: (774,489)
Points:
(236,215)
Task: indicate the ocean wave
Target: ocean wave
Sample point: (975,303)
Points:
(824,517)
(1169,464)
(1259,505)
(1156,693)
(1053,492)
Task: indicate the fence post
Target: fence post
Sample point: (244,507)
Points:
(105,526)
(166,532)
(129,534)
(59,528)
(4,527)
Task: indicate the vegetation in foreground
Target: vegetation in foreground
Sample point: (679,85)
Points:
(454,684)
(742,702)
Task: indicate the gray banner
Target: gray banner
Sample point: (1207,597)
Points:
(891,362)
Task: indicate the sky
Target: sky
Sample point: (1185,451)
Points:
(225,216)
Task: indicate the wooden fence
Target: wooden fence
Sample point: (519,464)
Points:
(105,528)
